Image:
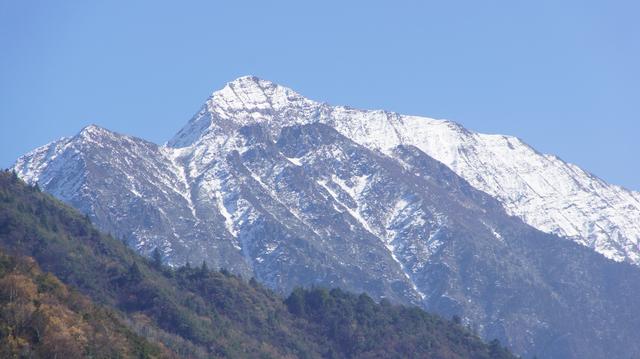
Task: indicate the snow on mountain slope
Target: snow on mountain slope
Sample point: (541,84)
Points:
(294,192)
(131,188)
(546,192)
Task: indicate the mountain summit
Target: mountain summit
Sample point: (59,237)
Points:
(271,185)
(544,191)
(244,101)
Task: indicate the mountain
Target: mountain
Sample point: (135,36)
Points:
(135,190)
(293,192)
(546,192)
(192,311)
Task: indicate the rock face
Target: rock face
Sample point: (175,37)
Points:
(293,192)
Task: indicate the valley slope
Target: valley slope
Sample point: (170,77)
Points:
(193,311)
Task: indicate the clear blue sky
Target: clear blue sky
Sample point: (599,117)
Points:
(562,75)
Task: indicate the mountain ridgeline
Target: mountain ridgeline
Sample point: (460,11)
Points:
(271,185)
(131,307)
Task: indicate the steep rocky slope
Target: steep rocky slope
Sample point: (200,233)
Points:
(546,192)
(193,311)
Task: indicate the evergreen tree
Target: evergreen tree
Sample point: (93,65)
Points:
(204,269)
(156,258)
(134,275)
(296,301)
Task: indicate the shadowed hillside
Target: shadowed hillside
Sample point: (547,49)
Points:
(195,311)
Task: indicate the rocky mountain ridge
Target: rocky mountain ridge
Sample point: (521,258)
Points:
(546,192)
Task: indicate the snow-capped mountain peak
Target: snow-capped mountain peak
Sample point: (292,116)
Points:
(291,191)
(93,129)
(250,93)
(244,101)
(546,192)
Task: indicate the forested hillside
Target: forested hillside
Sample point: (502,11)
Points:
(42,317)
(194,311)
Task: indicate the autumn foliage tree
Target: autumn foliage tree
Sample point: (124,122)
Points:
(41,318)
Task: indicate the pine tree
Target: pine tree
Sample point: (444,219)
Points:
(156,258)
(135,275)
(296,302)
(204,269)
